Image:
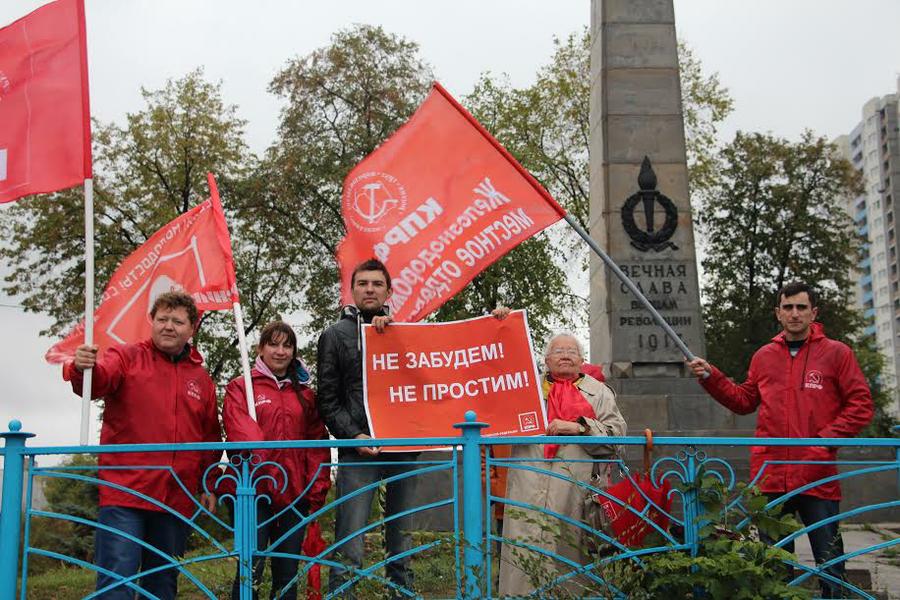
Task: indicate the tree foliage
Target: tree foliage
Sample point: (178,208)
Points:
(546,126)
(145,175)
(342,102)
(777,215)
(705,104)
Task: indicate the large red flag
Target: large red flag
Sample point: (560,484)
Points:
(45,130)
(190,254)
(438,202)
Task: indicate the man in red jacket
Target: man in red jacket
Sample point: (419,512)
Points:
(805,386)
(155,391)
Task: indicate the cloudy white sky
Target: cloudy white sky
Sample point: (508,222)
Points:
(789,66)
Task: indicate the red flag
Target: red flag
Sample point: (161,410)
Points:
(438,202)
(190,254)
(313,545)
(630,527)
(45,129)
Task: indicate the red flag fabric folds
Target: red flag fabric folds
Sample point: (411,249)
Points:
(313,545)
(630,527)
(438,202)
(191,254)
(45,135)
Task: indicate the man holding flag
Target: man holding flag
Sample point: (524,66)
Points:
(155,391)
(437,203)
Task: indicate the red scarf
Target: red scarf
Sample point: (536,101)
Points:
(565,402)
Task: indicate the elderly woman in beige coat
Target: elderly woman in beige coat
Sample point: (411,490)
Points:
(577,405)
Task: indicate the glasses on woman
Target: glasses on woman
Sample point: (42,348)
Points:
(564,352)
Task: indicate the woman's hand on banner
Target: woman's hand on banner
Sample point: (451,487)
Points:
(500,313)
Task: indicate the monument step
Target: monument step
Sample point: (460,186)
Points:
(669,411)
(640,386)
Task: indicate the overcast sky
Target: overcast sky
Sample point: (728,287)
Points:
(789,66)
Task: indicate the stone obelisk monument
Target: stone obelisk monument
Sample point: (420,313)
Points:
(641,213)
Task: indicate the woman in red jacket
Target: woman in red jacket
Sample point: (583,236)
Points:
(285,410)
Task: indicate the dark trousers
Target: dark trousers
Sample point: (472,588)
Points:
(283,569)
(826,541)
(354,472)
(126,557)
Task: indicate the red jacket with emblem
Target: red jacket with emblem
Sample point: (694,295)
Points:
(819,393)
(283,412)
(150,399)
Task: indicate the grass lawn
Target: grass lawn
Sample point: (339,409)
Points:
(435,573)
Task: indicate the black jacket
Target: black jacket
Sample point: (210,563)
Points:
(339,375)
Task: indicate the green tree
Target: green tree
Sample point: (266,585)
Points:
(344,100)
(145,174)
(777,215)
(705,104)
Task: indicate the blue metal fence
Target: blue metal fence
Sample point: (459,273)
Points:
(470,555)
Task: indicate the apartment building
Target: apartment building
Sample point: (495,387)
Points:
(874,148)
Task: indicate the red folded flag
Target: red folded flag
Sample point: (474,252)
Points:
(438,203)
(45,128)
(628,527)
(190,254)
(314,545)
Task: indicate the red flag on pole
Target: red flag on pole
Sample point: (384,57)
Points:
(190,254)
(438,202)
(45,130)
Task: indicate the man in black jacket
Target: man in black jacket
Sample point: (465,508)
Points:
(340,400)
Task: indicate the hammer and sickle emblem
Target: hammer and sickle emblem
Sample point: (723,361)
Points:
(376,209)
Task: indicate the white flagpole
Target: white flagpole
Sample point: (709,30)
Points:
(245,358)
(88,305)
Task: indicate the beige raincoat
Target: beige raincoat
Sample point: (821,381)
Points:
(520,567)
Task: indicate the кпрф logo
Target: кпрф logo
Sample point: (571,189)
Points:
(372,196)
(813,380)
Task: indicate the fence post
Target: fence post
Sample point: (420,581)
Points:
(473,533)
(245,528)
(691,504)
(11,509)
(896,430)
